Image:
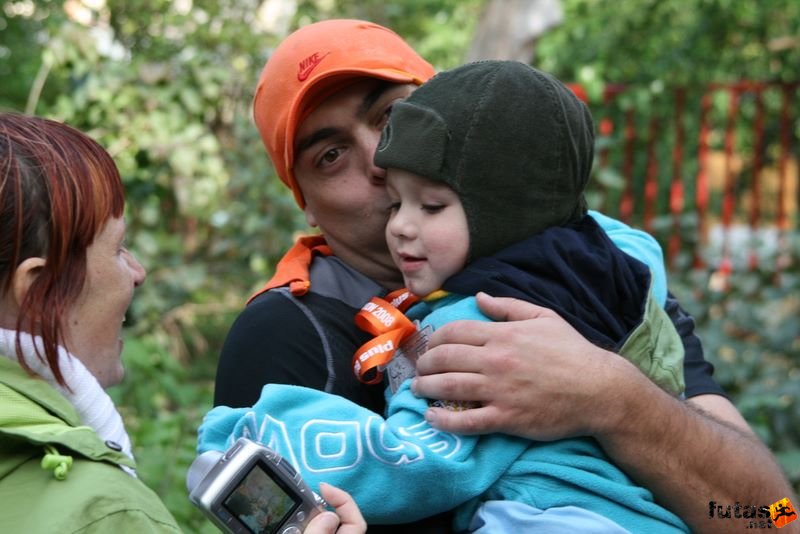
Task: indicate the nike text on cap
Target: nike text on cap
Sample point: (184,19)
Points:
(312,64)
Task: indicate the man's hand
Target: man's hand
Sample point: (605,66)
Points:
(533,373)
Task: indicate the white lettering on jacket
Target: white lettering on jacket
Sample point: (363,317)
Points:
(329,445)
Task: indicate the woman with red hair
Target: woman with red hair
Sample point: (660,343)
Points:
(66,280)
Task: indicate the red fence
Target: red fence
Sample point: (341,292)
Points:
(710,171)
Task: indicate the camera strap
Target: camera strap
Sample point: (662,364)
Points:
(385,320)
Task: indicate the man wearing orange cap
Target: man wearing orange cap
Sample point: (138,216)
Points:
(321,102)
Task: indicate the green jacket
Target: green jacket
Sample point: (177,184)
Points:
(96,496)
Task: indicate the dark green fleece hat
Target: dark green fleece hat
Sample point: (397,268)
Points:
(513,142)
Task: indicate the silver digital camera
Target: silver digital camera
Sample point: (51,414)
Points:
(251,489)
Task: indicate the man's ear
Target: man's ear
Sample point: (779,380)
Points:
(310,219)
(24,276)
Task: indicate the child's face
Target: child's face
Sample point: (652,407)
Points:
(427,232)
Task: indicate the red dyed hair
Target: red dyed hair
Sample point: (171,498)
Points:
(58,188)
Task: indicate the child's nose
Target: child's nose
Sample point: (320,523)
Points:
(400,225)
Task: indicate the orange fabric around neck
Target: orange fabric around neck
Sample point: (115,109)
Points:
(293,269)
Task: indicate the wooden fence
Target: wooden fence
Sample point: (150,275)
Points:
(711,171)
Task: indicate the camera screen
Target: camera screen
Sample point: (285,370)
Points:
(260,502)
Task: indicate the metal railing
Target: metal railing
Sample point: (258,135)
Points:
(711,171)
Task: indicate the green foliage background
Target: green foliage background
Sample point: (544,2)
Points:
(166,87)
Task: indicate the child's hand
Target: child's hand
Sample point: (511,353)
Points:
(349,519)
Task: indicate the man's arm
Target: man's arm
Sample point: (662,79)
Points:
(537,377)
(693,452)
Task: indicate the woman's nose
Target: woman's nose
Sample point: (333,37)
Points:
(139,272)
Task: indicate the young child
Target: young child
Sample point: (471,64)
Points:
(486,166)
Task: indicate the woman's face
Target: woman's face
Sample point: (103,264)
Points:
(93,326)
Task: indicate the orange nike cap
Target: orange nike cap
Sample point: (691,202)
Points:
(312,64)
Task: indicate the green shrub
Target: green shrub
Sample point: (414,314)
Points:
(749,323)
